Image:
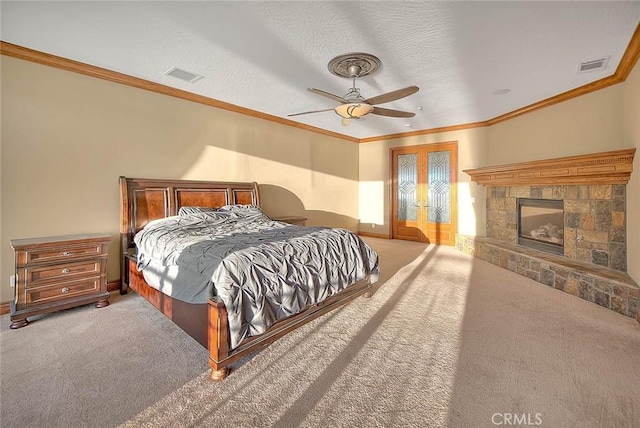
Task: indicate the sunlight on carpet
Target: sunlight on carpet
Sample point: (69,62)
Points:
(398,342)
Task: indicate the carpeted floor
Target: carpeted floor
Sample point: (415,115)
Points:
(447,340)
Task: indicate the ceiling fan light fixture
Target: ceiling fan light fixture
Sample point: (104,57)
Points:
(353,110)
(353,105)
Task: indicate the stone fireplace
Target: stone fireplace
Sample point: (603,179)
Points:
(561,222)
(593,221)
(541,224)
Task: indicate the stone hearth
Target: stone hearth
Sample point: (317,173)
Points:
(593,188)
(603,286)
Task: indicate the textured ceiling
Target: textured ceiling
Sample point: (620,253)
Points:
(263,55)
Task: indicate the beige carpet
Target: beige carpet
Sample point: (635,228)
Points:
(447,340)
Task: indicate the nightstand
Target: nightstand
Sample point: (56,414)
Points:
(291,219)
(59,272)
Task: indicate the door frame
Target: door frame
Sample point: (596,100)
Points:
(454,182)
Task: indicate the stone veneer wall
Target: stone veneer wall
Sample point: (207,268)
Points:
(594,219)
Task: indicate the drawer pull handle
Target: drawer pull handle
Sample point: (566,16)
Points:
(65,290)
(66,271)
(66,253)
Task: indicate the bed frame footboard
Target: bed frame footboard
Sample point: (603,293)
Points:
(220,356)
(208,323)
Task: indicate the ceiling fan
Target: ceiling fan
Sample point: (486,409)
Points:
(353,105)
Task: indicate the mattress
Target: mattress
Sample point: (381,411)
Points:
(263,270)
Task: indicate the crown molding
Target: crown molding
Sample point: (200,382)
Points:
(630,56)
(627,62)
(43,58)
(582,90)
(597,168)
(425,132)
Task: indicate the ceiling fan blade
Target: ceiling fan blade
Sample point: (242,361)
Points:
(394,95)
(328,95)
(393,113)
(307,112)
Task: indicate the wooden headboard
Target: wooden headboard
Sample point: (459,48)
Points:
(145,199)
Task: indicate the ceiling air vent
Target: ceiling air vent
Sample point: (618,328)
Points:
(596,64)
(183,75)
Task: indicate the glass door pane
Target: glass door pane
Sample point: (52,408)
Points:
(439,187)
(408,187)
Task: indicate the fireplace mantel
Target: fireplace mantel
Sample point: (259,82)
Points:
(598,168)
(592,189)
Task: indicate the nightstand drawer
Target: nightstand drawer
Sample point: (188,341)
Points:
(58,272)
(35,276)
(63,253)
(61,291)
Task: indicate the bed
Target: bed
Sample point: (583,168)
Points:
(217,216)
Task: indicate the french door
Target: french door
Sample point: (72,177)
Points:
(424,193)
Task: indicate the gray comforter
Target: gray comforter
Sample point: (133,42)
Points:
(262,270)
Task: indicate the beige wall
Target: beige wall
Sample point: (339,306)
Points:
(374,179)
(631,136)
(608,119)
(600,121)
(66,138)
(587,124)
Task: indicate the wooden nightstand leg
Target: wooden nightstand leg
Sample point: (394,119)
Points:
(102,303)
(18,323)
(218,375)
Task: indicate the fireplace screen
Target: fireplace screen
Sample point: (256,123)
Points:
(541,224)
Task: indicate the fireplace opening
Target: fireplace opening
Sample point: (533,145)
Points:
(541,224)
